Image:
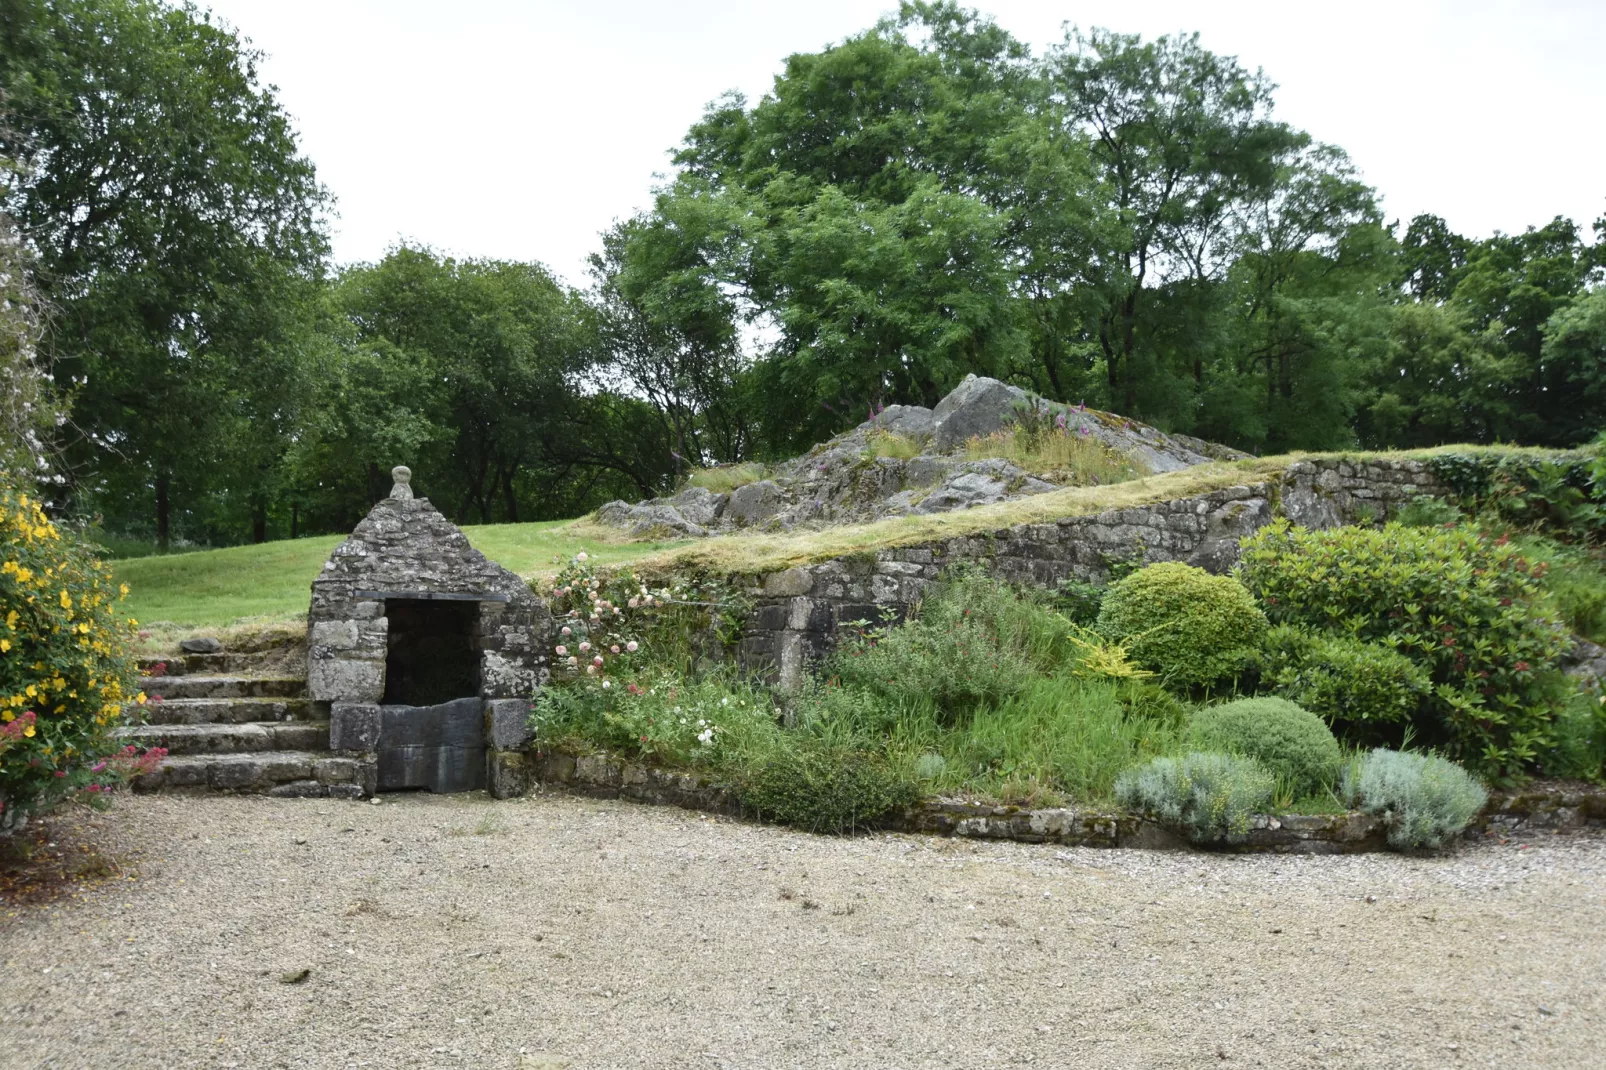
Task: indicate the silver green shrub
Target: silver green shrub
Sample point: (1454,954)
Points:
(1423,799)
(1209,797)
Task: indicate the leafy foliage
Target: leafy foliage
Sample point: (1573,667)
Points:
(65,667)
(1209,797)
(1425,800)
(1193,628)
(1467,609)
(1286,739)
(1344,679)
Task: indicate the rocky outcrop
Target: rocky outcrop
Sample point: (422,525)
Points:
(859,476)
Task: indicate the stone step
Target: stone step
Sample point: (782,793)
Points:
(293,773)
(230,738)
(197,686)
(224,710)
(225,662)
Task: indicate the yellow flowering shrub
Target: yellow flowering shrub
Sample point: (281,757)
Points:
(66,667)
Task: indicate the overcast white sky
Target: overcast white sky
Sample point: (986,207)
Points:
(519,130)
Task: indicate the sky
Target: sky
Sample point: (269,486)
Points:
(520,130)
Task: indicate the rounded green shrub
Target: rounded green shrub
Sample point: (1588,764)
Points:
(1209,797)
(1341,678)
(1423,799)
(1191,627)
(821,788)
(1288,740)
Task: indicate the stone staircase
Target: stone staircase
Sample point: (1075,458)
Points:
(233,723)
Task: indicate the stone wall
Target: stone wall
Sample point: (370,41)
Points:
(801,610)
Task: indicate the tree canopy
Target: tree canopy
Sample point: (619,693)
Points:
(1117,221)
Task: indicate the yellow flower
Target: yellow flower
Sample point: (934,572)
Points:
(7,716)
(28,731)
(124,590)
(31,691)
(66,599)
(5,645)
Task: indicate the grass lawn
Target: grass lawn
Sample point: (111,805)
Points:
(272,581)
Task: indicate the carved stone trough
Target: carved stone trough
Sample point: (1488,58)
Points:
(424,653)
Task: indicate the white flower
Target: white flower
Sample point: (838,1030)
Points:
(633,603)
(573,661)
(724,702)
(614,649)
(585,648)
(631,646)
(581,556)
(567,630)
(706,736)
(562,650)
(607,684)
(591,670)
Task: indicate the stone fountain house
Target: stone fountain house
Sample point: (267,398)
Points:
(424,653)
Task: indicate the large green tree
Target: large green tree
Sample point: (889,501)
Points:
(179,239)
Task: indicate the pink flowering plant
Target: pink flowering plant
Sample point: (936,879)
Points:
(599,617)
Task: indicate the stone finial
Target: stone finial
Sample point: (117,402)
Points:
(403,477)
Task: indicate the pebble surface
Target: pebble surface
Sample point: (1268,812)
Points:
(554,931)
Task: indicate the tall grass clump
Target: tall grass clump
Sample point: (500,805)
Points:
(724,478)
(1061,450)
(1424,800)
(879,442)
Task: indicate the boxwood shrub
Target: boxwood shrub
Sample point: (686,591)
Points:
(1286,739)
(1191,627)
(1361,685)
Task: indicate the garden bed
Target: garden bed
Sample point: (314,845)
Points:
(1551,805)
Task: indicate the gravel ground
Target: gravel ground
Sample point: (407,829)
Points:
(550,932)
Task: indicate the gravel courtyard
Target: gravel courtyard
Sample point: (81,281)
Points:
(456,931)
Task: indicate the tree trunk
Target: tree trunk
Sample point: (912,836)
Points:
(295,521)
(163,515)
(510,501)
(376,483)
(259,520)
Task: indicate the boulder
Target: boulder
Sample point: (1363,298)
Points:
(203,645)
(913,421)
(977,406)
(699,505)
(755,503)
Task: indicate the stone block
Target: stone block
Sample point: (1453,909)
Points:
(509,775)
(335,770)
(354,726)
(507,723)
(334,635)
(788,583)
(345,680)
(503,677)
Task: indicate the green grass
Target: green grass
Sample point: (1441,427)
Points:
(722,479)
(272,581)
(881,443)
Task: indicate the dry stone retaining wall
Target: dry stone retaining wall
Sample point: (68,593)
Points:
(801,610)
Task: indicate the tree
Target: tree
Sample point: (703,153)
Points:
(179,235)
(465,370)
(667,327)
